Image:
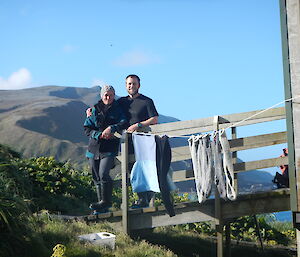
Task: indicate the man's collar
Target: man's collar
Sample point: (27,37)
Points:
(134,96)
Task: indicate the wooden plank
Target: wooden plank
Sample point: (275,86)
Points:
(206,124)
(228,239)
(104,215)
(131,158)
(218,208)
(195,130)
(182,175)
(233,138)
(267,202)
(257,205)
(117,213)
(234,159)
(290,15)
(181,150)
(124,165)
(184,157)
(190,214)
(149,209)
(261,164)
(246,143)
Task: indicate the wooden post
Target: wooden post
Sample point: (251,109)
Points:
(257,228)
(290,35)
(288,94)
(227,226)
(234,159)
(218,217)
(228,239)
(124,167)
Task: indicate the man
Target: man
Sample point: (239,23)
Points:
(139,109)
(140,112)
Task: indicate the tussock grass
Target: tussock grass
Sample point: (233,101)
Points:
(53,232)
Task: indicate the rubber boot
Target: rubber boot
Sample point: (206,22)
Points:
(106,194)
(142,202)
(99,194)
(150,198)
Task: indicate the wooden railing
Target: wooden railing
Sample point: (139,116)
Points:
(182,153)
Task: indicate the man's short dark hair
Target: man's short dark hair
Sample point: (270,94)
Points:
(133,76)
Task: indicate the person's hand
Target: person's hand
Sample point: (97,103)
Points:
(88,112)
(106,134)
(132,128)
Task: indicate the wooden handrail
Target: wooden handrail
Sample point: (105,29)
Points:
(206,124)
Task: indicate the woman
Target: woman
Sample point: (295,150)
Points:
(107,118)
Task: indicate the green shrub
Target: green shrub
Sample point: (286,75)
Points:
(56,186)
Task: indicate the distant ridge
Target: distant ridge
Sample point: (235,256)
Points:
(48,121)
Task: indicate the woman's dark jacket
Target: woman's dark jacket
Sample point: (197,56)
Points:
(102,117)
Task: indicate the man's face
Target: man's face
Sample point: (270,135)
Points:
(132,86)
(108,97)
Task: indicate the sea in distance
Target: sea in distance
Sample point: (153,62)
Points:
(283,216)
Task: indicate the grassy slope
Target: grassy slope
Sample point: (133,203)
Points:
(36,236)
(47,233)
(188,243)
(160,242)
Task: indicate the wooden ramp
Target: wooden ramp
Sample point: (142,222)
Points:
(191,212)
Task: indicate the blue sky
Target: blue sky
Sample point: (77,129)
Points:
(196,58)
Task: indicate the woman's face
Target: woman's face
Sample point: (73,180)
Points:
(108,97)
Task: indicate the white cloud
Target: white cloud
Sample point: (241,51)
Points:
(69,48)
(17,80)
(136,58)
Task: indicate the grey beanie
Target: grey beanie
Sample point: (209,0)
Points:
(105,89)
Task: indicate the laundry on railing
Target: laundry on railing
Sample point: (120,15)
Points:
(200,148)
(212,163)
(219,178)
(163,162)
(227,166)
(143,175)
(150,171)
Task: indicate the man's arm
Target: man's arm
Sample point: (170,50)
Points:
(90,128)
(88,112)
(145,123)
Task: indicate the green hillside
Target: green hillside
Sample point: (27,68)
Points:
(48,121)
